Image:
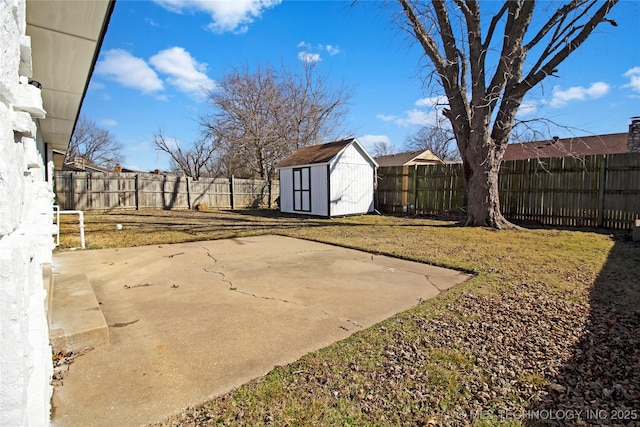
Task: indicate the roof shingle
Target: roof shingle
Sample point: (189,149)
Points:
(315,154)
(615,143)
(400,159)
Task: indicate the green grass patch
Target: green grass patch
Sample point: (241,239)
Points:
(391,374)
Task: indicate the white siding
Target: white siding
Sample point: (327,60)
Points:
(318,186)
(286,190)
(351,183)
(351,155)
(351,189)
(319,190)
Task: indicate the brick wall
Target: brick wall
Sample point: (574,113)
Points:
(634,136)
(25,232)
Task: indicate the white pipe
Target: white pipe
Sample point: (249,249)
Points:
(81,216)
(56,210)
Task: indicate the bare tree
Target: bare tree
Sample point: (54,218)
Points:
(194,162)
(382,148)
(439,140)
(487,70)
(94,144)
(226,163)
(260,117)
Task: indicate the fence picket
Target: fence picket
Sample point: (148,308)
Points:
(106,191)
(591,191)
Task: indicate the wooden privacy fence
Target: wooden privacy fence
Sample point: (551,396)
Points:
(595,191)
(104,191)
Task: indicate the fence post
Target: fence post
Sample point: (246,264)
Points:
(232,185)
(405,187)
(601,192)
(88,191)
(415,189)
(188,194)
(526,203)
(72,196)
(136,187)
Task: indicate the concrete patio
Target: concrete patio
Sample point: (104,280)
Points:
(187,322)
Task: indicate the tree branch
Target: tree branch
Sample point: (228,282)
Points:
(492,27)
(534,77)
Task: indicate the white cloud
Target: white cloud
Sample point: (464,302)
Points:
(227,15)
(427,113)
(387,118)
(369,142)
(172,143)
(634,79)
(527,108)
(121,66)
(577,93)
(307,53)
(94,85)
(140,146)
(417,117)
(184,71)
(305,56)
(332,50)
(433,102)
(372,139)
(108,122)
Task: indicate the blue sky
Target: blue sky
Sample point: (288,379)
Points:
(158,55)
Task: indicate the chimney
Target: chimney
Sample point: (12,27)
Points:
(633,140)
(117,169)
(79,162)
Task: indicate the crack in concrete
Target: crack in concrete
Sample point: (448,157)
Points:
(137,286)
(433,284)
(235,289)
(224,277)
(172,255)
(215,260)
(123,324)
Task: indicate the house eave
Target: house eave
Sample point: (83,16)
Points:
(66,37)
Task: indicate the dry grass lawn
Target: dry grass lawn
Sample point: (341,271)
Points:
(511,340)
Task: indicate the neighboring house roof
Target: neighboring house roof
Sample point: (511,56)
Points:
(615,143)
(80,165)
(408,158)
(136,171)
(87,168)
(322,153)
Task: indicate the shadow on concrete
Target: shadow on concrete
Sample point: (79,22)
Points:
(600,383)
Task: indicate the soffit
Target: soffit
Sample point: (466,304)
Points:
(65,39)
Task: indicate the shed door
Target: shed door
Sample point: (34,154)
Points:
(302,189)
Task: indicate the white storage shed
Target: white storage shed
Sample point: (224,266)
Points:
(333,179)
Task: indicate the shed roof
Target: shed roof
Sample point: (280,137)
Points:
(412,157)
(314,154)
(614,143)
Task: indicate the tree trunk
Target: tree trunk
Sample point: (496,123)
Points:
(481,186)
